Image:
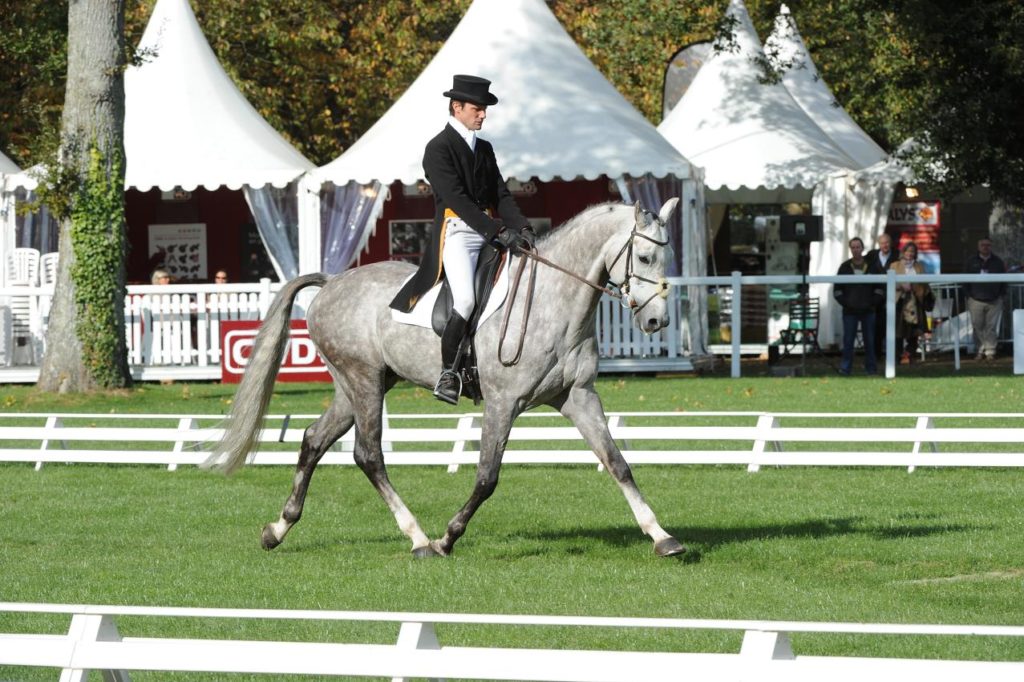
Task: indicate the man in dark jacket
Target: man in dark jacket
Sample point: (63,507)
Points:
(859,302)
(985,299)
(883,257)
(473,210)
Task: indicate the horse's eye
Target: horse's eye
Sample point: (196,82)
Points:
(646,260)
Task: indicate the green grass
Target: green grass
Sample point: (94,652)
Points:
(871,545)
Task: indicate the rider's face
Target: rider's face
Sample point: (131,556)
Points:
(470,115)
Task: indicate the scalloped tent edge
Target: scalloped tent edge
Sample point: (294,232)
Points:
(558,116)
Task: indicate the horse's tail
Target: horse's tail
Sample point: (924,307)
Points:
(243,424)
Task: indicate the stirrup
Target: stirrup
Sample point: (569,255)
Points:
(448,387)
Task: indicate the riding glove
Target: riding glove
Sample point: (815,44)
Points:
(506,239)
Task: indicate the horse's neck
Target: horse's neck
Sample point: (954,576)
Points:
(580,245)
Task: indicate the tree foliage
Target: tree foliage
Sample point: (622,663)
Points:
(944,72)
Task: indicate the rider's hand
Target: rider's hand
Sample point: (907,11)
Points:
(505,239)
(526,239)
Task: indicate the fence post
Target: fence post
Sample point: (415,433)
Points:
(93,628)
(184,424)
(922,423)
(51,423)
(766,646)
(890,324)
(465,423)
(417,636)
(736,322)
(765,422)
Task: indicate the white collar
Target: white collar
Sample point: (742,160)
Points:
(468,135)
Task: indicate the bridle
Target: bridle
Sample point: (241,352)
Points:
(622,295)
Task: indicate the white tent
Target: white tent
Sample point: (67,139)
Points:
(186,124)
(810,91)
(754,141)
(7,167)
(558,117)
(853,203)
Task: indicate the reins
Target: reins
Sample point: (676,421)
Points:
(535,257)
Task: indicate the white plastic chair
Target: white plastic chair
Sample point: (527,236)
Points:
(48,267)
(23,267)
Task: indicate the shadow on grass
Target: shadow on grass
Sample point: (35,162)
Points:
(706,539)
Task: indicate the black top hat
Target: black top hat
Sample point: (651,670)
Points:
(471,89)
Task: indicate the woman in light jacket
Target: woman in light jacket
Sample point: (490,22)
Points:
(911,313)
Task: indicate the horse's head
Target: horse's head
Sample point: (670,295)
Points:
(638,264)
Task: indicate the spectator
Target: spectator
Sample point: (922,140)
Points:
(161,276)
(985,299)
(859,302)
(884,256)
(911,319)
(220,277)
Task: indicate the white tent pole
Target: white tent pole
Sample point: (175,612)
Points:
(310,248)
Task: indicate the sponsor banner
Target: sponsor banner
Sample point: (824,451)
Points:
(918,222)
(301,361)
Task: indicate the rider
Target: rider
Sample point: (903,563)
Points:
(468,191)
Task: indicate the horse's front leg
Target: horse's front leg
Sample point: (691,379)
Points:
(583,407)
(497,423)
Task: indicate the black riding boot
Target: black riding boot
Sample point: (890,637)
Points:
(449,385)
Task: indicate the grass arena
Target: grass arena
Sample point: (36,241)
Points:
(849,544)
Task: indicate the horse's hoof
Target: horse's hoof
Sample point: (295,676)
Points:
(669,547)
(425,552)
(439,549)
(268,539)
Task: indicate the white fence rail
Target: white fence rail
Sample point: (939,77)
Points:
(177,327)
(751,439)
(94,641)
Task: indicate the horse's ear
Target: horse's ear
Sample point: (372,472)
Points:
(668,209)
(638,214)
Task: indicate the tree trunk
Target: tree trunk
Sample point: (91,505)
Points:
(92,131)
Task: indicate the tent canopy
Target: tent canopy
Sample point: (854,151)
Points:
(186,124)
(755,142)
(557,116)
(812,94)
(8,167)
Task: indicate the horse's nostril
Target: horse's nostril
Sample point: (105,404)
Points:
(654,323)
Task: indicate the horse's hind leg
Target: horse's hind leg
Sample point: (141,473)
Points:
(319,436)
(369,418)
(582,405)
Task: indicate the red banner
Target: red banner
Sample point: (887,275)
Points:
(301,361)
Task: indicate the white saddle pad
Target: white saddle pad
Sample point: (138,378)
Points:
(424,308)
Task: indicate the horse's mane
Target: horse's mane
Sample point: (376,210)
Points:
(585,216)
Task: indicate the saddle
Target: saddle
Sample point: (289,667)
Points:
(487,269)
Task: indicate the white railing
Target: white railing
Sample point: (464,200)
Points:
(184,328)
(177,326)
(736,281)
(94,641)
(750,439)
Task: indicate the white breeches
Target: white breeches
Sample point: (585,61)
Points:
(462,246)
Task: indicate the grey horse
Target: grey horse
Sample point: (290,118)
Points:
(367,352)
